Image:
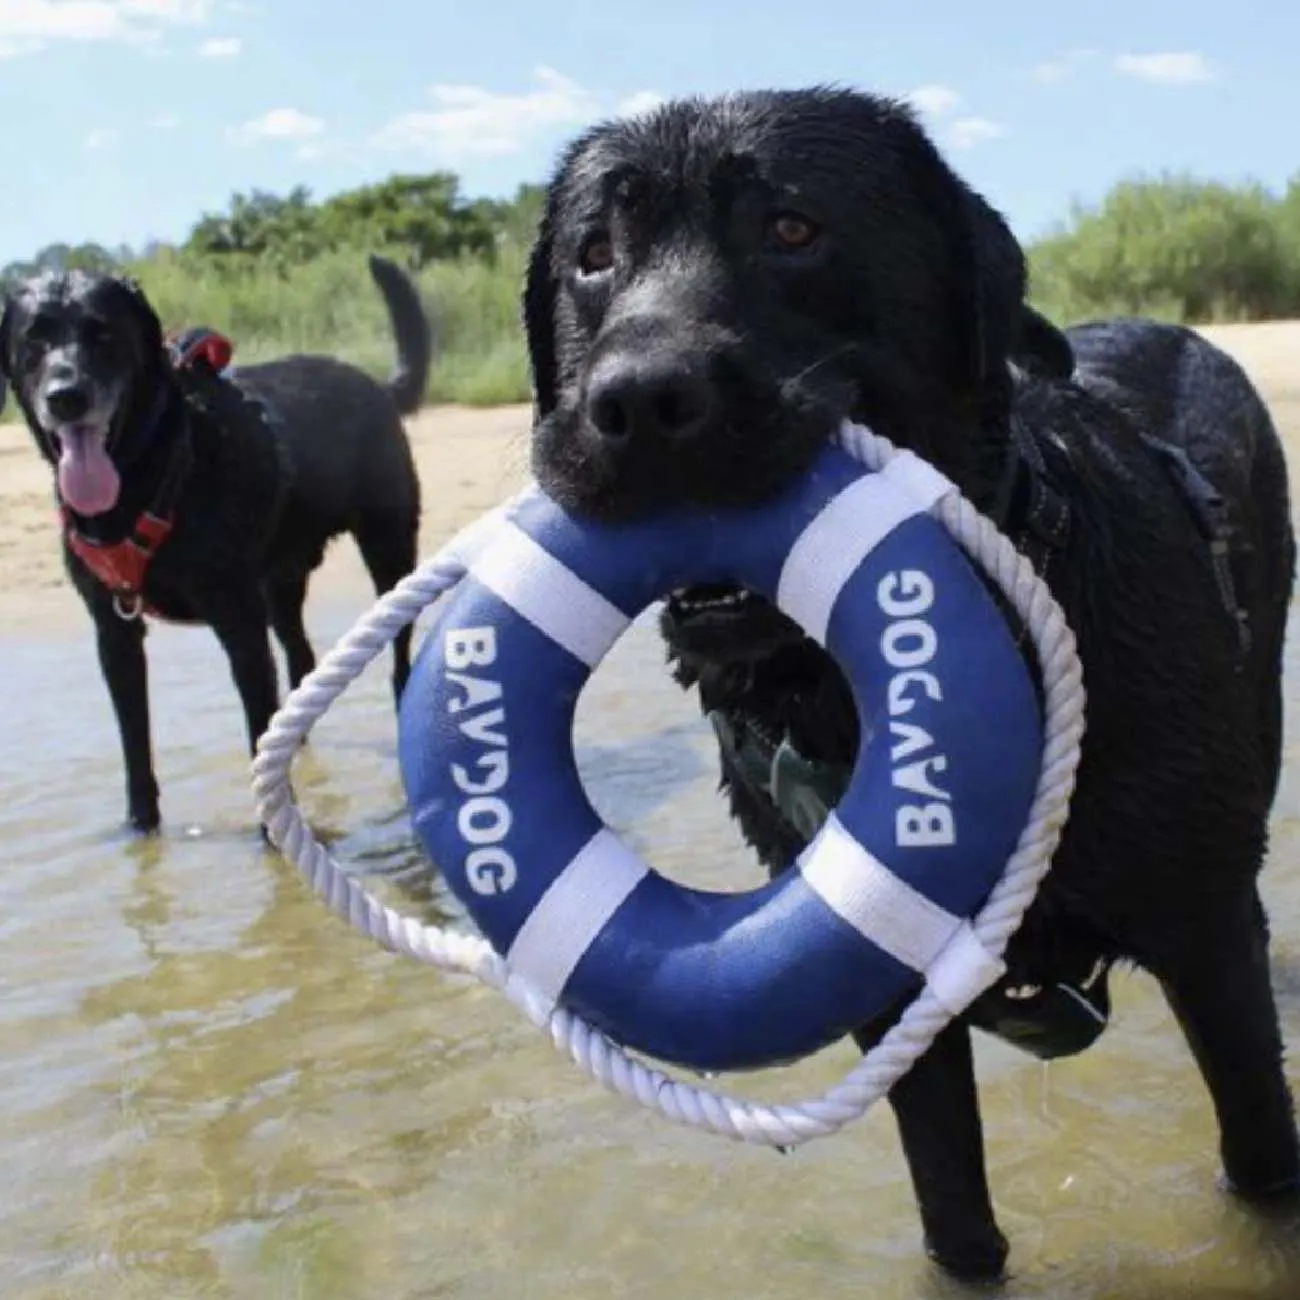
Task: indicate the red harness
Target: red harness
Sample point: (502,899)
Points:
(122,566)
(189,346)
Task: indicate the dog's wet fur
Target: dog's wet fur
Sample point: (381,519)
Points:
(275,460)
(715,286)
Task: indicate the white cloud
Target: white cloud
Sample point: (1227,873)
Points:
(941,102)
(1171,68)
(1055,70)
(175,11)
(967,132)
(27,26)
(14,47)
(643,101)
(102,137)
(1051,72)
(468,121)
(218,47)
(324,146)
(934,100)
(278,124)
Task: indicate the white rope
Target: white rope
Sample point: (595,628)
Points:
(777,1125)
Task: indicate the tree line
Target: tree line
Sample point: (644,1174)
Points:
(1174,246)
(421,218)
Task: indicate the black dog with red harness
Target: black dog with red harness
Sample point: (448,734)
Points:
(192,494)
(121,566)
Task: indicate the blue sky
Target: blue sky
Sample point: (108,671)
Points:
(125,119)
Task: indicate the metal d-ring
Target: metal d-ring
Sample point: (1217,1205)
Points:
(128,612)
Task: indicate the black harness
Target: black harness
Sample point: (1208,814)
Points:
(1064,1010)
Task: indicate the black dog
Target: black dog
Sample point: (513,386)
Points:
(715,287)
(206,499)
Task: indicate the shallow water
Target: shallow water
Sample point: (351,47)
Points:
(210,1087)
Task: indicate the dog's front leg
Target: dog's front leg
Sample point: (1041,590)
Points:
(122,660)
(937,1109)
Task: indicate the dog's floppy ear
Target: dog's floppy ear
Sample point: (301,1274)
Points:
(6,328)
(150,326)
(539,314)
(1000,325)
(1041,348)
(993,287)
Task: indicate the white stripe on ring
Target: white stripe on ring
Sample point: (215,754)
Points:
(899,920)
(548,594)
(846,530)
(575,908)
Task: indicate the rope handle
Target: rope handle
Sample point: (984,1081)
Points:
(780,1125)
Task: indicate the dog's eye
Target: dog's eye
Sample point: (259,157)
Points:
(98,334)
(792,230)
(41,333)
(34,347)
(596,255)
(32,353)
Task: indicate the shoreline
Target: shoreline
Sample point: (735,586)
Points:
(469,459)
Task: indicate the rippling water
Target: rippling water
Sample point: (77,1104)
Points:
(210,1087)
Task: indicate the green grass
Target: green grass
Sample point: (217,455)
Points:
(1173,247)
(332,305)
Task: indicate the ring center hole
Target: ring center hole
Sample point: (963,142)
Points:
(649,764)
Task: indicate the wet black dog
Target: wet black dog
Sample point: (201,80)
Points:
(206,498)
(715,286)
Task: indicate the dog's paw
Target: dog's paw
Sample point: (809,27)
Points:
(979,1261)
(1260,1167)
(1272,1193)
(143,821)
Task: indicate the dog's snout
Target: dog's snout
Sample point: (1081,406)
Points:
(648,397)
(67,401)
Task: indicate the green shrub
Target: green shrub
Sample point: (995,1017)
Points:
(286,274)
(331,305)
(1175,248)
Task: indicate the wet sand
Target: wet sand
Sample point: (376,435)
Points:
(468,460)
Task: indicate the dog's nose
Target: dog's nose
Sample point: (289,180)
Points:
(67,402)
(647,397)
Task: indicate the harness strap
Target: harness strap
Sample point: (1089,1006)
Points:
(200,344)
(1036,510)
(122,566)
(1210,513)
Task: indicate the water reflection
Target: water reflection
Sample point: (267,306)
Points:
(212,1087)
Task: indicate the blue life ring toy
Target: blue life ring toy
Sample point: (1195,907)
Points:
(883,895)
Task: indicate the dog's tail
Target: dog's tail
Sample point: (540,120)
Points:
(411,329)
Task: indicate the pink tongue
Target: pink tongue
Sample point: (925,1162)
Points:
(88,480)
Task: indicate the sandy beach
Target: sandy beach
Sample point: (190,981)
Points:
(468,461)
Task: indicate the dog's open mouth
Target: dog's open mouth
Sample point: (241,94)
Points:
(88,479)
(714,602)
(728,621)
